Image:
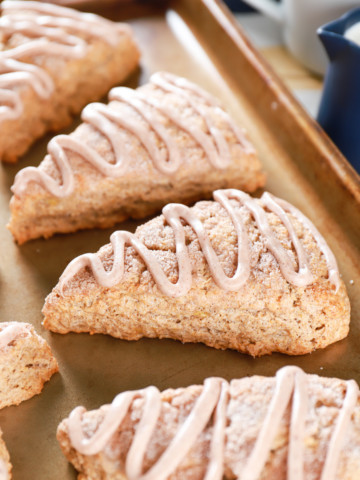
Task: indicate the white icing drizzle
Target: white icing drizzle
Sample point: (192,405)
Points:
(11,331)
(4,474)
(175,213)
(334,276)
(48,26)
(107,120)
(332,458)
(55,16)
(291,387)
(182,87)
(213,398)
(290,382)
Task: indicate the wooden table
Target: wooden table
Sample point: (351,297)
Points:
(266,35)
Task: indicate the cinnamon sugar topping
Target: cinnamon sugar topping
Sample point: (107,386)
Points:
(176,213)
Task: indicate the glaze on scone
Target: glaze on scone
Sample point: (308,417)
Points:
(53,61)
(26,363)
(249,274)
(291,427)
(169,140)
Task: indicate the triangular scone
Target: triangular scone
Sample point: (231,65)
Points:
(5,465)
(26,363)
(293,426)
(166,141)
(53,61)
(249,274)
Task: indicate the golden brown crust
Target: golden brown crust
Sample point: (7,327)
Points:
(246,411)
(101,201)
(76,81)
(26,363)
(267,315)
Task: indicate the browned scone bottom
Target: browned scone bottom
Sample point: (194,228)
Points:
(77,81)
(247,408)
(99,200)
(267,314)
(26,363)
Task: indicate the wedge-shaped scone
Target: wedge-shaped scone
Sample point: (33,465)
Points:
(166,141)
(249,274)
(5,465)
(53,61)
(26,363)
(291,427)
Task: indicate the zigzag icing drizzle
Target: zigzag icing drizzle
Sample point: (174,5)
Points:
(107,121)
(291,387)
(10,332)
(47,26)
(174,213)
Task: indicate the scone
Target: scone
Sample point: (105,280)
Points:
(167,141)
(291,427)
(249,274)
(53,61)
(5,465)
(26,363)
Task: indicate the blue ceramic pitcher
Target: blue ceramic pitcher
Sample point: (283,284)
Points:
(339,112)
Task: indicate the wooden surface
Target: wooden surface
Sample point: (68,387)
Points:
(294,75)
(199,40)
(267,36)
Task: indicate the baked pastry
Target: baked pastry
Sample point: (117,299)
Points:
(26,363)
(53,61)
(293,426)
(166,141)
(5,465)
(249,274)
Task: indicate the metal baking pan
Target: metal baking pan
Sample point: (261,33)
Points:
(198,39)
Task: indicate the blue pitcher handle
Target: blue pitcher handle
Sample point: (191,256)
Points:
(339,112)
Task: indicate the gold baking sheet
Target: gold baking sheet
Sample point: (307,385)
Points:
(199,40)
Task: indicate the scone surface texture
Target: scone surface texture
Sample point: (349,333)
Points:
(167,141)
(246,429)
(54,60)
(26,363)
(266,313)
